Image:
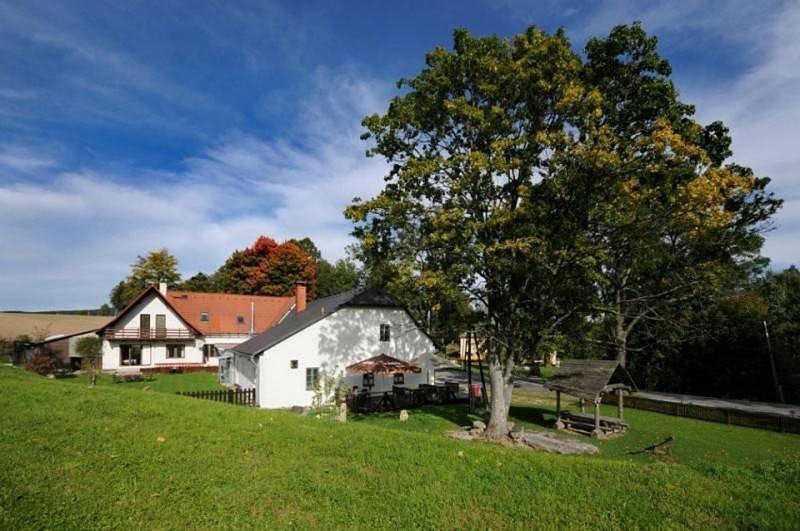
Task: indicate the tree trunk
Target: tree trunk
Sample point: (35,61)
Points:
(621,339)
(501,379)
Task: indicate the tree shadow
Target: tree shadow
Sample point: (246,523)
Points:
(539,416)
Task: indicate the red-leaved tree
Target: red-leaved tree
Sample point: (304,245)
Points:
(268,268)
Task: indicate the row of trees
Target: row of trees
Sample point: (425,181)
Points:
(264,268)
(549,195)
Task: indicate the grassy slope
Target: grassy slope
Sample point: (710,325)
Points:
(77,457)
(161,382)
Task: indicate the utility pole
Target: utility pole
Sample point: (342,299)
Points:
(778,389)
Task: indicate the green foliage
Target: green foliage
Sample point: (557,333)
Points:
(200,282)
(300,471)
(335,278)
(556,195)
(90,350)
(157,266)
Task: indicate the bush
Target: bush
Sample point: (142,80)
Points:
(41,364)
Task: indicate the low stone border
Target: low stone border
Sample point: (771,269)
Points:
(538,440)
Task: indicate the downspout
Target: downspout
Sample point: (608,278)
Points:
(252,317)
(252,359)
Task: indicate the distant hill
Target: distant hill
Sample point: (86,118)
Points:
(41,325)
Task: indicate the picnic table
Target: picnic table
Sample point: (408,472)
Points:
(402,397)
(584,422)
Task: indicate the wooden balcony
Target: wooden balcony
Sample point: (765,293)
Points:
(144,334)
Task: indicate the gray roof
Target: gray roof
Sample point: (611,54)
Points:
(588,378)
(315,311)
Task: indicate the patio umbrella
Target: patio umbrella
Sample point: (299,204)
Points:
(383,365)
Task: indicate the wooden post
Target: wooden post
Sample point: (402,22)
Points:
(583,406)
(619,404)
(596,433)
(559,424)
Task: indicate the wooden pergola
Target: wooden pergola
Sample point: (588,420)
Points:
(591,380)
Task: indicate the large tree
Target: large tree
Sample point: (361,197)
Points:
(545,187)
(157,266)
(467,144)
(267,268)
(667,220)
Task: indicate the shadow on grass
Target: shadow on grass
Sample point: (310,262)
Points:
(533,415)
(457,415)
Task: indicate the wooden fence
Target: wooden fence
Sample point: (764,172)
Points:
(737,417)
(237,397)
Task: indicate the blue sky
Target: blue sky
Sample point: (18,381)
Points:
(128,126)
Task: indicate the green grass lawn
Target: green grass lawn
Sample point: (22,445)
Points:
(161,382)
(117,456)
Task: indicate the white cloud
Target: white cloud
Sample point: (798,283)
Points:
(75,233)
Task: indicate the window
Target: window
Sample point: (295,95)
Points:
(130,354)
(368,380)
(161,325)
(399,379)
(312,376)
(293,364)
(144,325)
(174,351)
(385,332)
(204,316)
(210,351)
(240,319)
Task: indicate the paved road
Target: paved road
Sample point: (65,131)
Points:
(536,384)
(783,410)
(460,376)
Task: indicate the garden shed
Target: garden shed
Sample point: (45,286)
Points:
(590,380)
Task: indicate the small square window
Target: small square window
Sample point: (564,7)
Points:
(240,319)
(293,364)
(204,316)
(385,332)
(399,379)
(368,380)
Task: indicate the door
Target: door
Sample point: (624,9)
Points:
(161,326)
(144,325)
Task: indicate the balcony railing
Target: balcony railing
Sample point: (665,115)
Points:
(144,334)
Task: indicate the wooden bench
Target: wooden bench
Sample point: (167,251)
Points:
(582,422)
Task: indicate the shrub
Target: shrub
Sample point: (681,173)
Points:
(41,364)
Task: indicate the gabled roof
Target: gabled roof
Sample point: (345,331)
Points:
(314,312)
(65,336)
(589,378)
(150,290)
(222,310)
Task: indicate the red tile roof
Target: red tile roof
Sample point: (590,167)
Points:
(223,310)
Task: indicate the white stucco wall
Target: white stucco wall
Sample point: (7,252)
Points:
(153,352)
(341,339)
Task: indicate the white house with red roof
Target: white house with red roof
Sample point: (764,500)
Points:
(162,328)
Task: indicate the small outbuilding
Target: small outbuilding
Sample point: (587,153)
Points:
(590,380)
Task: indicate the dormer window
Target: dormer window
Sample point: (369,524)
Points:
(240,319)
(204,316)
(385,332)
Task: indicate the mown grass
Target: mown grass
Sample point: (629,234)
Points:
(112,456)
(160,382)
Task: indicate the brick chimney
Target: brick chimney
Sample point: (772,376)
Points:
(300,296)
(162,287)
